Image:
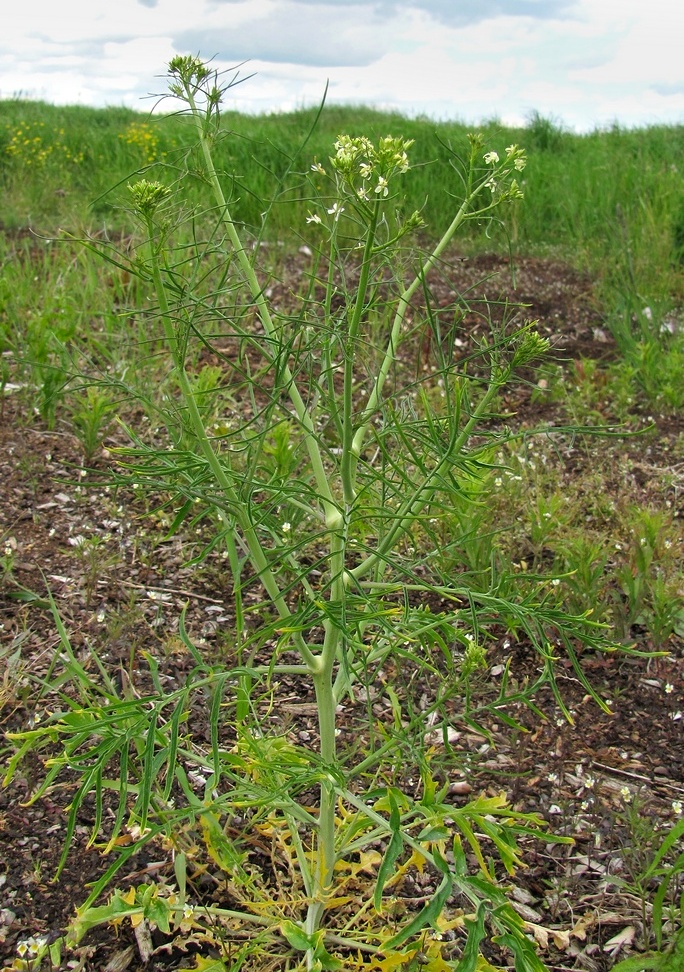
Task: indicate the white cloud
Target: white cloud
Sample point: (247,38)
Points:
(584,62)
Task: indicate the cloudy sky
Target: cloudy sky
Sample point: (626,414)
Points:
(584,63)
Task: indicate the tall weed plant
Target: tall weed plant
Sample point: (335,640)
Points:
(322,468)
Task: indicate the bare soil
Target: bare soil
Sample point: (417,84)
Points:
(583,778)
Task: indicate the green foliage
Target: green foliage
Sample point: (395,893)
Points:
(349,499)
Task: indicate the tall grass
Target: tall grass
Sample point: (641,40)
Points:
(612,198)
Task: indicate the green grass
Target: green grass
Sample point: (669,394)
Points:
(614,199)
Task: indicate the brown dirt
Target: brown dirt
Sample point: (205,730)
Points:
(581,777)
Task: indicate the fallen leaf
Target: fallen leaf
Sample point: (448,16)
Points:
(619,941)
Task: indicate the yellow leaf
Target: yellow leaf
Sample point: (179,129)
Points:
(579,929)
(206,965)
(338,902)
(393,960)
(368,863)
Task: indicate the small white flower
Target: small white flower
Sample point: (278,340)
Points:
(589,781)
(365,170)
(491,158)
(584,805)
(336,210)
(643,541)
(555,581)
(667,544)
(498,481)
(382,186)
(362,193)
(491,185)
(286,527)
(313,218)
(677,806)
(317,167)
(625,793)
(669,688)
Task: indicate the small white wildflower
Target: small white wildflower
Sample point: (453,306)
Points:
(83,473)
(667,544)
(643,541)
(625,793)
(589,782)
(286,527)
(584,805)
(677,806)
(470,637)
(317,167)
(552,777)
(336,210)
(365,170)
(555,581)
(78,541)
(491,185)
(669,688)
(498,481)
(313,218)
(382,186)
(48,457)
(362,193)
(491,158)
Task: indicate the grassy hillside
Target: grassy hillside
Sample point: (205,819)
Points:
(612,199)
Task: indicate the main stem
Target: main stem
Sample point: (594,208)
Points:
(320,667)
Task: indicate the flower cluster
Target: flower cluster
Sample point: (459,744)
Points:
(140,136)
(35,145)
(501,181)
(148,196)
(366,170)
(30,951)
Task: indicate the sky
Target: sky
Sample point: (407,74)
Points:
(585,64)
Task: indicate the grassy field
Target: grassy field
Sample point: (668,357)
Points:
(511,521)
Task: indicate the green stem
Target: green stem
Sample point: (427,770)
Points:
(256,552)
(262,307)
(347,467)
